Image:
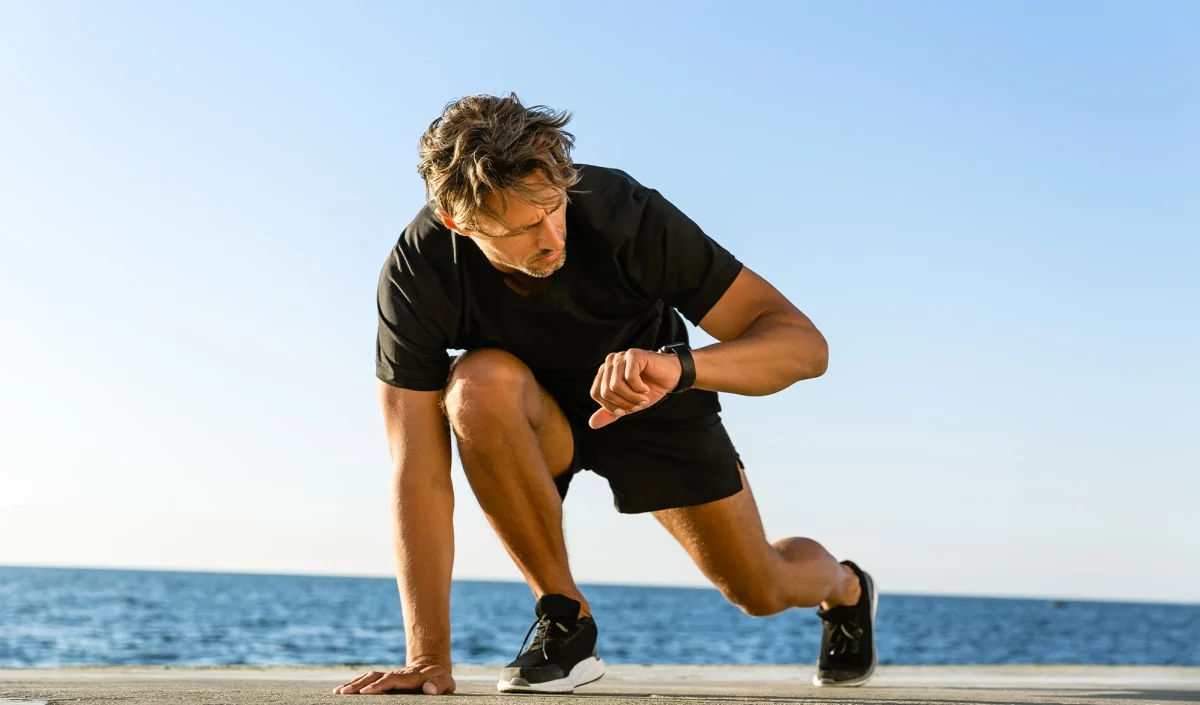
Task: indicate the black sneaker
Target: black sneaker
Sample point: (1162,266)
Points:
(562,655)
(848,638)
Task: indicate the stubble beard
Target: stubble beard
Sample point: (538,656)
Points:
(548,269)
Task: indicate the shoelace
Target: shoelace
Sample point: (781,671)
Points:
(844,639)
(542,637)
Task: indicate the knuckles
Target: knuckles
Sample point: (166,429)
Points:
(602,391)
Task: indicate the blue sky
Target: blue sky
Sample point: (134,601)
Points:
(990,209)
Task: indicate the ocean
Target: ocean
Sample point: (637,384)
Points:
(62,617)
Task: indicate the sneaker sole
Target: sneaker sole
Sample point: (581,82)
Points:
(861,680)
(589,670)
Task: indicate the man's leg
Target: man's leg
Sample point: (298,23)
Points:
(726,540)
(513,439)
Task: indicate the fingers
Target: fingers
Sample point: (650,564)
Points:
(398,680)
(633,377)
(439,685)
(618,386)
(601,418)
(405,679)
(354,685)
(599,386)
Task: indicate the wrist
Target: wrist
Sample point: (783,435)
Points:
(687,366)
(424,660)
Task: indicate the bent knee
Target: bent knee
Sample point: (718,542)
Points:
(483,383)
(756,601)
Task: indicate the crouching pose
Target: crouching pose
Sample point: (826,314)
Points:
(567,284)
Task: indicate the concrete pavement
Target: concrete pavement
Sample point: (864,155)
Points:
(623,685)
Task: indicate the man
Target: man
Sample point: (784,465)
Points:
(564,283)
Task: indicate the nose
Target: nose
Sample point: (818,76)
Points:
(549,238)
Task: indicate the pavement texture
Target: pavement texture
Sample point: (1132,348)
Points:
(622,685)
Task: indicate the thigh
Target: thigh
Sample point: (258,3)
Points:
(555,439)
(725,538)
(502,385)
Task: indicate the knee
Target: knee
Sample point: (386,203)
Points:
(756,600)
(485,384)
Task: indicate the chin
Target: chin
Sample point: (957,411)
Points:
(543,272)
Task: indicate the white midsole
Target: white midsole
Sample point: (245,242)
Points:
(588,670)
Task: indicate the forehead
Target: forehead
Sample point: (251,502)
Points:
(521,212)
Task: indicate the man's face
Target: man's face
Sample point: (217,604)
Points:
(526,238)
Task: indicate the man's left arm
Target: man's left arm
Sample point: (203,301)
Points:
(766,345)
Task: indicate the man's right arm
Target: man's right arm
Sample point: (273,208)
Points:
(423,529)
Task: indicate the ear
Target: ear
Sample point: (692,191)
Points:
(449,222)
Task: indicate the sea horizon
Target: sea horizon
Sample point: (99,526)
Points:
(667,586)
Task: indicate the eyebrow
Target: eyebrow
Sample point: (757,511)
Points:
(526,228)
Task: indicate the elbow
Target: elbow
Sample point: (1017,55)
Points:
(815,360)
(820,361)
(809,360)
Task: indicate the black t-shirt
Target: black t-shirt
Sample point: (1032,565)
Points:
(632,260)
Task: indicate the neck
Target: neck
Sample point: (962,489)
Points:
(526,285)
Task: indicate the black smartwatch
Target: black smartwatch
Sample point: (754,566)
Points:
(687,366)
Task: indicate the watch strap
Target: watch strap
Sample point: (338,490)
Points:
(687,366)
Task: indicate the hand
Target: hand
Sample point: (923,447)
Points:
(430,680)
(630,381)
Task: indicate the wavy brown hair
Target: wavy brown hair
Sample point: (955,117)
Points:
(482,145)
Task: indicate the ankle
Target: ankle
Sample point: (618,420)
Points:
(846,592)
(585,610)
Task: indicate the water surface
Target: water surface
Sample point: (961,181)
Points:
(58,617)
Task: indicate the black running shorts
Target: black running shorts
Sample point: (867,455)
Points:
(674,454)
(657,463)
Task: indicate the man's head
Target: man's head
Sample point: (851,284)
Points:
(498,172)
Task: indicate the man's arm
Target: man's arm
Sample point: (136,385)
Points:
(766,345)
(423,518)
(423,526)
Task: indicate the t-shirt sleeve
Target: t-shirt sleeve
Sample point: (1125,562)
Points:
(414,327)
(673,259)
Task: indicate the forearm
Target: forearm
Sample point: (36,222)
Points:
(424,546)
(775,351)
(422,518)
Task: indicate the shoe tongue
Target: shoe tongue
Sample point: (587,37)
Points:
(560,608)
(839,615)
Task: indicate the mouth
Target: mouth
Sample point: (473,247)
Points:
(546,259)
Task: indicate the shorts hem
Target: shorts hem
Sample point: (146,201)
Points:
(644,505)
